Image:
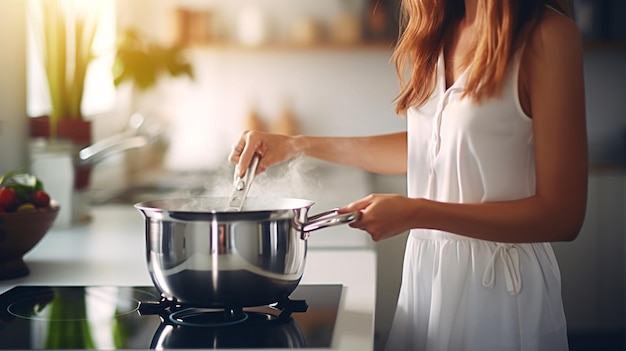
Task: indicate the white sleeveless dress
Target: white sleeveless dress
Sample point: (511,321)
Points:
(460,293)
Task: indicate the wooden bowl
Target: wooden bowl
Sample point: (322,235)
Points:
(19,233)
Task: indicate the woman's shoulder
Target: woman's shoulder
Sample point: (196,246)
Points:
(552,52)
(554,40)
(554,30)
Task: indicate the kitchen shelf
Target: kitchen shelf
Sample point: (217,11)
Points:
(289,47)
(591,45)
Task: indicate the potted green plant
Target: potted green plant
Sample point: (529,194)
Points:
(142,62)
(66,38)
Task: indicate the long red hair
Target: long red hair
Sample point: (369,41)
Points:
(426,24)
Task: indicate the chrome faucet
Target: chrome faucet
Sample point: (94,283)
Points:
(140,132)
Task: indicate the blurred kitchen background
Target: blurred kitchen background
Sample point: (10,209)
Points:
(314,67)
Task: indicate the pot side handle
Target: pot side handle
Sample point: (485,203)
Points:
(329,219)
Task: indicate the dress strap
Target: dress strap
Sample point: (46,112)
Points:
(509,256)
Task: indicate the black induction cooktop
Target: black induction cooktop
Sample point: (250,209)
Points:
(113,318)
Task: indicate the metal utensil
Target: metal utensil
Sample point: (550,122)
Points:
(242,186)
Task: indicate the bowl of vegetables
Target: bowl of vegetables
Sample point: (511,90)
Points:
(26,215)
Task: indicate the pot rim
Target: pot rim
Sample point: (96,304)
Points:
(209,205)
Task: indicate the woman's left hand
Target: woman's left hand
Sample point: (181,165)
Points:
(383,215)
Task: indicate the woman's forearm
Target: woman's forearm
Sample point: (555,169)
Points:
(361,152)
(532,219)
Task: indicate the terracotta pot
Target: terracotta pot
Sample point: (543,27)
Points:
(78,131)
(39,127)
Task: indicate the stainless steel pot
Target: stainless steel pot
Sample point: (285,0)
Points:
(199,254)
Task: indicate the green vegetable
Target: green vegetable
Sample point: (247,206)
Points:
(21,179)
(25,186)
(23,183)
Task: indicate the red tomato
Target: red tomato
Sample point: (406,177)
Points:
(40,199)
(7,197)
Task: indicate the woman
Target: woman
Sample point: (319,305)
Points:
(496,161)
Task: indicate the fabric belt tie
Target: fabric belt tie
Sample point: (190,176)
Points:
(509,256)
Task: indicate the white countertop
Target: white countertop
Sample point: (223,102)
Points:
(110,250)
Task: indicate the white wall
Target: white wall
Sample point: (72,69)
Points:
(331,92)
(13,122)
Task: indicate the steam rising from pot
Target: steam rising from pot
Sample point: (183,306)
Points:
(294,179)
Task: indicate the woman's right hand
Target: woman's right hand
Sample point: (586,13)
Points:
(273,149)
